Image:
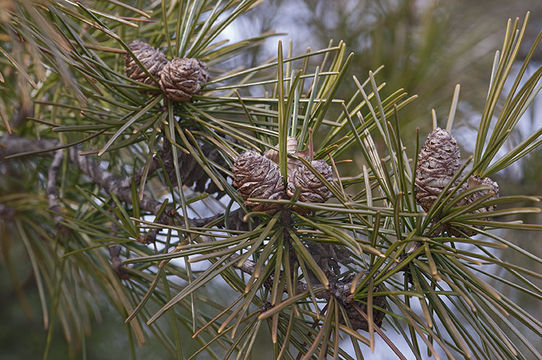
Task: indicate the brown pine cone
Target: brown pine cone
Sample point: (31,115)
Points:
(312,189)
(357,320)
(291,148)
(272,155)
(255,176)
(351,306)
(438,161)
(152,59)
(475,181)
(181,78)
(472,182)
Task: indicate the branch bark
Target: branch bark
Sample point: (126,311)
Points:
(112,184)
(52,191)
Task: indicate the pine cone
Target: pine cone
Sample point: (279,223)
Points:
(438,162)
(181,78)
(475,181)
(291,147)
(272,155)
(312,189)
(152,59)
(357,320)
(256,176)
(472,182)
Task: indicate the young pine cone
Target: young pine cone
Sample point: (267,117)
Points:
(351,306)
(181,78)
(255,176)
(152,59)
(312,189)
(475,181)
(359,322)
(438,162)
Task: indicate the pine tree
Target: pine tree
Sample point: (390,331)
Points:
(141,164)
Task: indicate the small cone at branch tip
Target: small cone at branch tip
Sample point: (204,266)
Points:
(300,176)
(255,176)
(152,59)
(476,181)
(493,192)
(183,77)
(438,162)
(312,188)
(357,320)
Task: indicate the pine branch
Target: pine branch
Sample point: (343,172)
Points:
(113,185)
(340,289)
(116,262)
(6,212)
(11,145)
(52,191)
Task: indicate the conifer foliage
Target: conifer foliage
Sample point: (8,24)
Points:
(142,165)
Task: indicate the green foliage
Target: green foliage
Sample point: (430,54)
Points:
(128,163)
